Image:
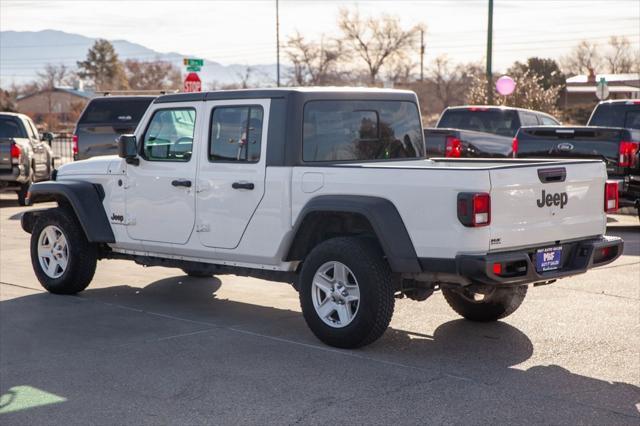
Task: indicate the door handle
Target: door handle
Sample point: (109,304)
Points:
(242,185)
(181,182)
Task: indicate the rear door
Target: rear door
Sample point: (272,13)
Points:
(160,191)
(231,176)
(103,120)
(536,204)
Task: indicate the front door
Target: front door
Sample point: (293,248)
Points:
(160,191)
(232,171)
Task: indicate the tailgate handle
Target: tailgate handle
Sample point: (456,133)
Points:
(558,174)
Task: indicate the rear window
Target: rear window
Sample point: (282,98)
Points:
(497,122)
(361,130)
(11,128)
(616,115)
(125,111)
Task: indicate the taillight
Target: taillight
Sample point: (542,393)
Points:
(474,208)
(75,145)
(453,147)
(610,197)
(514,147)
(628,154)
(16,152)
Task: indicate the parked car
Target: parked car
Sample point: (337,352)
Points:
(25,157)
(103,120)
(328,190)
(480,131)
(612,135)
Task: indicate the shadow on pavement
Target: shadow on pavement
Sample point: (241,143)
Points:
(9,202)
(477,359)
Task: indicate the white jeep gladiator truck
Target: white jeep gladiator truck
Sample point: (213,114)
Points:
(327,189)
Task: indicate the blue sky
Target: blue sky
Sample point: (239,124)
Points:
(244,31)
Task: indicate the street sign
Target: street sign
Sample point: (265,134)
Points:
(602,89)
(192,62)
(192,83)
(191,68)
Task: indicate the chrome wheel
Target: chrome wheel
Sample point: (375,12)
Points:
(53,251)
(335,294)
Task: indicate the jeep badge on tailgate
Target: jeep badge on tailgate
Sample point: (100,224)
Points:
(559,198)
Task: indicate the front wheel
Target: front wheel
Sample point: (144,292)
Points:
(346,292)
(491,304)
(63,260)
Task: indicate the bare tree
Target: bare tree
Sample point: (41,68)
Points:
(245,77)
(582,59)
(314,64)
(153,75)
(619,56)
(54,75)
(376,40)
(529,93)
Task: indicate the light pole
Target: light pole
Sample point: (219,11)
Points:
(489,53)
(277,44)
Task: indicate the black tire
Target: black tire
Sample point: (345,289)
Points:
(23,191)
(375,307)
(496,304)
(198,273)
(82,255)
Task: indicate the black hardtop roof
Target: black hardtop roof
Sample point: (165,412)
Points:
(123,98)
(307,93)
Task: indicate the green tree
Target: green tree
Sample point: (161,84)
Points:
(547,69)
(103,68)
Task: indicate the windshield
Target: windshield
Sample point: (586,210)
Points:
(494,121)
(11,128)
(616,115)
(125,111)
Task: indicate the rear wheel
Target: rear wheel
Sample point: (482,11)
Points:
(23,191)
(63,260)
(489,305)
(346,292)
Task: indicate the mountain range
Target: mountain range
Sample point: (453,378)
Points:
(24,53)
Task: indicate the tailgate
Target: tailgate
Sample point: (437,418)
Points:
(5,154)
(532,205)
(566,142)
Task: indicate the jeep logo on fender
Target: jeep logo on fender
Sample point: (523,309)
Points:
(557,199)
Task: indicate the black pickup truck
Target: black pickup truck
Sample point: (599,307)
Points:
(611,134)
(480,131)
(25,157)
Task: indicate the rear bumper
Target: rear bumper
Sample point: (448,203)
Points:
(519,268)
(9,179)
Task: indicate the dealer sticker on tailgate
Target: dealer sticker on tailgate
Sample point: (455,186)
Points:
(548,259)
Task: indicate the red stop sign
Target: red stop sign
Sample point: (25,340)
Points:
(192,83)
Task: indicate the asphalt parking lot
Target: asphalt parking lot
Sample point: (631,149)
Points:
(151,346)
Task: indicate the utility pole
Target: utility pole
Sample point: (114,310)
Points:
(489,53)
(421,55)
(277,44)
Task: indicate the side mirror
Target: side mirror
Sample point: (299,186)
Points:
(128,149)
(47,137)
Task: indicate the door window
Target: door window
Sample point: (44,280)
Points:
(236,134)
(169,135)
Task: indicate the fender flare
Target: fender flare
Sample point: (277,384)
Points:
(85,199)
(383,217)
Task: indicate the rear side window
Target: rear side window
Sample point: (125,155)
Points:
(547,121)
(11,128)
(236,133)
(114,111)
(616,115)
(495,121)
(361,130)
(169,136)
(528,119)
